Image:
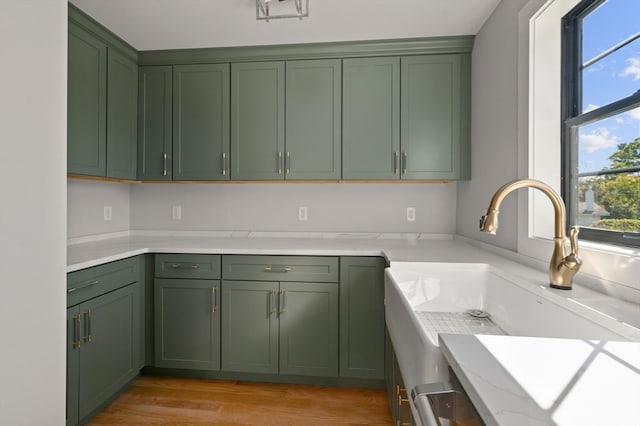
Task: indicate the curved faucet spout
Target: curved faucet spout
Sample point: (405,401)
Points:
(563,266)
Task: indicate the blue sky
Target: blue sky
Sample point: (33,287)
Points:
(612,78)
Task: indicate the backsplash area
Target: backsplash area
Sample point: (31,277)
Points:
(274,207)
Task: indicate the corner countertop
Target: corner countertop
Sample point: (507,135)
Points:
(88,252)
(531,381)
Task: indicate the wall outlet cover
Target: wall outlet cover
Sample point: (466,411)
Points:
(302,214)
(411,214)
(176,212)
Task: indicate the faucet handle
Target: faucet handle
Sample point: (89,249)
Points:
(573,239)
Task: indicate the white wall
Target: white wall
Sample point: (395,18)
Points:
(33,44)
(494,126)
(340,207)
(85,206)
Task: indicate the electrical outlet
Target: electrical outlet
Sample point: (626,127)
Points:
(411,214)
(302,214)
(176,212)
(108,213)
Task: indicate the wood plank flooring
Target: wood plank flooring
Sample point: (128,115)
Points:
(183,401)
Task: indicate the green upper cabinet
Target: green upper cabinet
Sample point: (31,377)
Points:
(257,120)
(201,122)
(122,116)
(435,117)
(371,118)
(154,122)
(86,103)
(101,102)
(313,119)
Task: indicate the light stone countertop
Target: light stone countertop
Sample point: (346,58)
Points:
(471,359)
(533,381)
(88,252)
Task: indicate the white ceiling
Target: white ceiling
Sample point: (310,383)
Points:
(175,24)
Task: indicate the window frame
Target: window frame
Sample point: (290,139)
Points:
(573,118)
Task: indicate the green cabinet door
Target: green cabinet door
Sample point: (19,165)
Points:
(313,119)
(362,329)
(371,118)
(154,122)
(308,315)
(122,116)
(257,120)
(201,122)
(86,103)
(111,346)
(73,364)
(187,323)
(250,331)
(434,121)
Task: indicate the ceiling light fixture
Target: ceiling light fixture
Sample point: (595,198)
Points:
(280,9)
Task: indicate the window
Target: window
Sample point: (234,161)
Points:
(601,117)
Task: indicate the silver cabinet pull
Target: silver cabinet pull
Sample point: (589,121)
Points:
(272,306)
(224,164)
(76,332)
(82,286)
(277,269)
(281,301)
(191,266)
(279,162)
(164,164)
(214,302)
(404,163)
(395,162)
(288,163)
(87,326)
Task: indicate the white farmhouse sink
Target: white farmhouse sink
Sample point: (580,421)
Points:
(516,307)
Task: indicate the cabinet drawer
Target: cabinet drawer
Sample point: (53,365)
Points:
(280,268)
(194,266)
(91,282)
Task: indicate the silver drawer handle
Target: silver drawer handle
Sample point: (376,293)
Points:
(185,266)
(164,163)
(281,302)
(279,162)
(279,269)
(85,285)
(395,162)
(404,163)
(76,332)
(224,164)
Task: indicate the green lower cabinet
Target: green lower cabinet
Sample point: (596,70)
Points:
(362,326)
(308,315)
(396,392)
(105,349)
(73,364)
(286,328)
(250,326)
(187,323)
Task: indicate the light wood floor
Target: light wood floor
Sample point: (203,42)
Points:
(180,401)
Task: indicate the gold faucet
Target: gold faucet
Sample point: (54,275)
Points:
(562,266)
